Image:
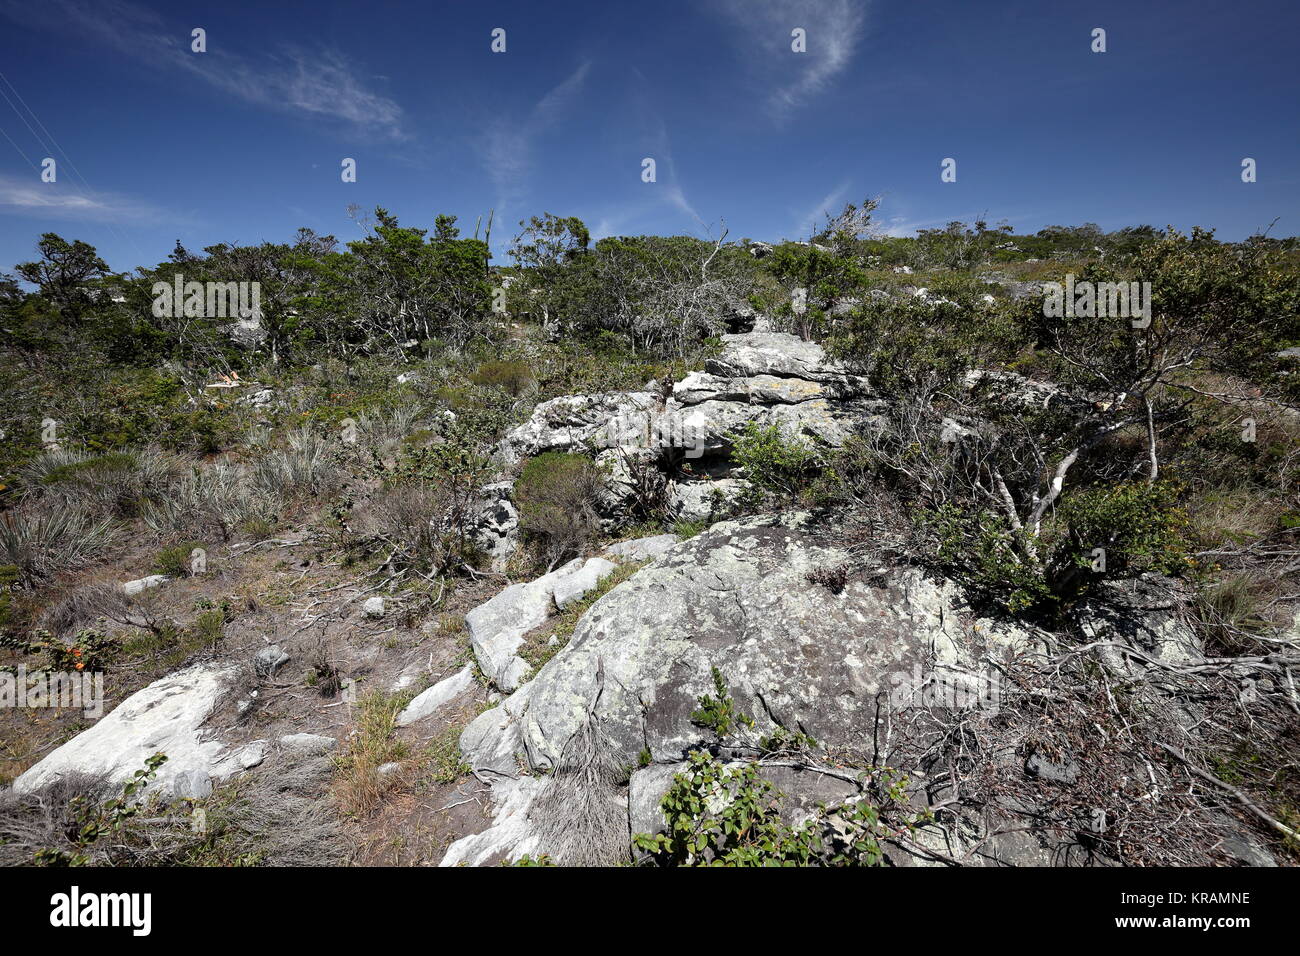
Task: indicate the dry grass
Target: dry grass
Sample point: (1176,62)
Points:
(278,816)
(358,788)
(46,539)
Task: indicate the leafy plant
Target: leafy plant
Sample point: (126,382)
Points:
(779,467)
(720,714)
(719,815)
(91,820)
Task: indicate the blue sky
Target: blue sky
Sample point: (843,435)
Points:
(244,142)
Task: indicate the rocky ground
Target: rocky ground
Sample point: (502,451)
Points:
(468,736)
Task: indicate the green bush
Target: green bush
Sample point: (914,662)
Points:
(174,561)
(779,467)
(556,495)
(1138,525)
(981,551)
(512,377)
(730,816)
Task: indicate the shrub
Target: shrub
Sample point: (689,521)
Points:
(720,714)
(304,467)
(383,430)
(217,499)
(512,377)
(779,467)
(113,483)
(1136,524)
(426,510)
(556,495)
(415,520)
(979,549)
(83,605)
(42,541)
(718,815)
(175,560)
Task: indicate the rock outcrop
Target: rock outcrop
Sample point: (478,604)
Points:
(168,716)
(764,378)
(795,655)
(497,627)
(430,701)
(738,598)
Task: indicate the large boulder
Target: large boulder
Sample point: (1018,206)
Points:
(822,659)
(168,716)
(808,640)
(578,422)
(795,654)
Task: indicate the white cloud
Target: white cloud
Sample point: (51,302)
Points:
(830,204)
(507,144)
(320,83)
(58,200)
(834,28)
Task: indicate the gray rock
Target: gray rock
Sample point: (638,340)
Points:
(642,549)
(269,660)
(498,626)
(374,606)
(494,526)
(1143,613)
(308,743)
(143,584)
(704,500)
(580,421)
(443,692)
(575,586)
(167,716)
(794,654)
(1065,772)
(253,754)
(773,353)
(509,837)
(1246,851)
(702,387)
(191,784)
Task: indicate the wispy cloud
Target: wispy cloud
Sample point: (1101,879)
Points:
(833,29)
(669,187)
(321,83)
(32,197)
(507,144)
(828,205)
